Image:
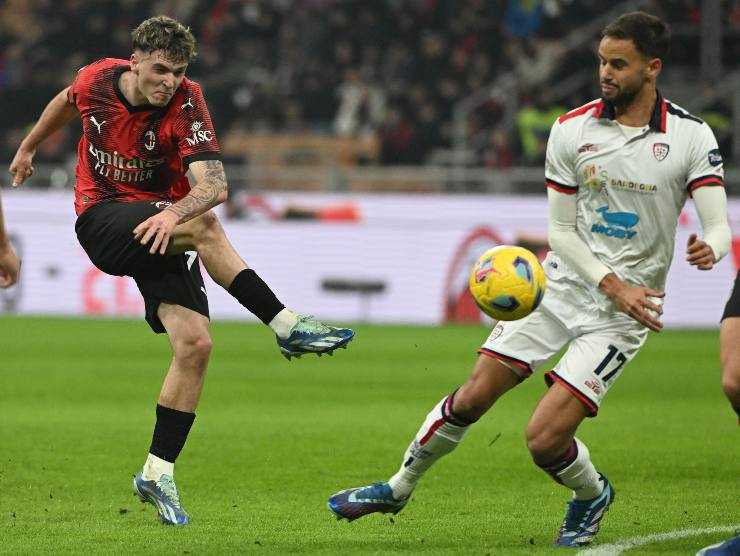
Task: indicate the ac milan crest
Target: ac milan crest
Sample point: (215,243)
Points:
(660,150)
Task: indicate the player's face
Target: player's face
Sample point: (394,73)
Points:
(623,71)
(157,78)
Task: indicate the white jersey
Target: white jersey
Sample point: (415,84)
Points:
(630,191)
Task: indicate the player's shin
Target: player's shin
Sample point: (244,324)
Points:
(575,470)
(254,294)
(170,433)
(441,432)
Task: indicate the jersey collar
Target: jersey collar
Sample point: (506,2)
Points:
(657,120)
(130,107)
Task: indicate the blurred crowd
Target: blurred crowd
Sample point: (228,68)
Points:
(394,70)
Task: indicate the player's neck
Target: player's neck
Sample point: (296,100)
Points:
(639,112)
(127,85)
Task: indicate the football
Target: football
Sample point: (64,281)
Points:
(507,282)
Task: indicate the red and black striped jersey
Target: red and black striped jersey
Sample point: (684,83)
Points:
(133,153)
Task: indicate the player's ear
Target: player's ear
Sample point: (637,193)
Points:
(134,63)
(654,66)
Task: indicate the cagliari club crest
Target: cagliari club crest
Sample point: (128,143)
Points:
(660,150)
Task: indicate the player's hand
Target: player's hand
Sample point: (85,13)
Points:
(10,265)
(699,254)
(158,230)
(21,167)
(634,301)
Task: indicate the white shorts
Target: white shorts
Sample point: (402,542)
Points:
(600,342)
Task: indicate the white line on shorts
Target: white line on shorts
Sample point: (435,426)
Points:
(628,544)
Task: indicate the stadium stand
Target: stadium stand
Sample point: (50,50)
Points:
(383,83)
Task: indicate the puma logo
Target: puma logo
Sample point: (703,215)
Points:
(98,125)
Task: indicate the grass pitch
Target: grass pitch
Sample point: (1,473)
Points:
(274,439)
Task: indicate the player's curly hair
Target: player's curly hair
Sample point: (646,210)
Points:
(166,34)
(651,35)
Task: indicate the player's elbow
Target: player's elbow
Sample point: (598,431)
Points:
(222,196)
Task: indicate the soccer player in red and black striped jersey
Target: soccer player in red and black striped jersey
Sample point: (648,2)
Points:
(144,125)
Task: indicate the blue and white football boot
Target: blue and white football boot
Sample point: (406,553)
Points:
(730,547)
(309,335)
(583,517)
(162,494)
(355,502)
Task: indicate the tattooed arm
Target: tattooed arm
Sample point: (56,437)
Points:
(209,190)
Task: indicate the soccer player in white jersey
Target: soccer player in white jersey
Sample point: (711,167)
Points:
(618,171)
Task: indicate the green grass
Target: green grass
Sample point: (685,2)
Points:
(273,439)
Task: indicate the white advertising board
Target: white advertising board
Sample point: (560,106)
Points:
(374,258)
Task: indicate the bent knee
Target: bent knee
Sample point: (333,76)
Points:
(204,227)
(193,349)
(208,220)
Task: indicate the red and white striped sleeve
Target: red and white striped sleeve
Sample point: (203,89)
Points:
(560,172)
(705,166)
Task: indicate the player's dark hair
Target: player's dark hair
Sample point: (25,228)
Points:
(651,35)
(165,34)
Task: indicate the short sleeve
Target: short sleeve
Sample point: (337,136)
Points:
(560,162)
(196,136)
(80,85)
(705,167)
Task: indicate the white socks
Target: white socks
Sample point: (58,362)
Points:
(436,437)
(155,467)
(283,322)
(581,475)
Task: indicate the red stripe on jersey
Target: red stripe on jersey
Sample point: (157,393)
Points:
(598,104)
(552,377)
(567,189)
(703,181)
(664,116)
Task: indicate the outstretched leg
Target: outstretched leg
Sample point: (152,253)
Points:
(296,334)
(442,430)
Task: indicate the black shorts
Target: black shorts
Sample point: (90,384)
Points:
(732,309)
(105,232)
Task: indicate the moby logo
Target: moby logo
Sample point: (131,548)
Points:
(619,223)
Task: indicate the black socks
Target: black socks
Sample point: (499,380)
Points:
(252,292)
(170,432)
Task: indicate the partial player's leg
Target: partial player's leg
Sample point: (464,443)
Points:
(191,348)
(507,357)
(296,334)
(729,347)
(579,383)
(730,547)
(553,446)
(441,432)
(729,342)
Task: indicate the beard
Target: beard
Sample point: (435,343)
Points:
(626,94)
